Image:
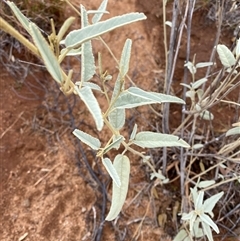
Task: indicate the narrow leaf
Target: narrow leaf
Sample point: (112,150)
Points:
(182,236)
(119,194)
(117,118)
(87,58)
(226,56)
(198,83)
(125,58)
(47,55)
(204,184)
(21,18)
(197,146)
(233,131)
(211,202)
(154,96)
(91,141)
(238,48)
(93,86)
(102,8)
(64,28)
(114,144)
(206,219)
(191,67)
(111,171)
(127,100)
(203,64)
(90,101)
(147,139)
(207,231)
(134,132)
(77,37)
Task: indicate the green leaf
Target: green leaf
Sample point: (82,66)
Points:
(115,144)
(147,139)
(72,52)
(119,194)
(211,202)
(117,116)
(198,83)
(204,184)
(191,67)
(91,102)
(46,53)
(226,56)
(21,18)
(87,58)
(207,220)
(93,86)
(127,101)
(154,96)
(125,58)
(206,115)
(207,231)
(182,236)
(64,28)
(233,131)
(197,146)
(238,47)
(111,171)
(91,141)
(77,37)
(203,64)
(102,8)
(134,132)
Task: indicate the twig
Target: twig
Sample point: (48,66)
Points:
(3,134)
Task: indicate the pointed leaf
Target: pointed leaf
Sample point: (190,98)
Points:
(47,55)
(207,231)
(204,184)
(134,132)
(147,139)
(64,28)
(93,86)
(87,58)
(199,201)
(182,236)
(21,18)
(233,131)
(119,194)
(77,37)
(154,96)
(198,83)
(207,220)
(203,64)
(71,52)
(238,48)
(114,144)
(211,202)
(90,101)
(191,67)
(226,56)
(91,141)
(102,8)
(125,58)
(111,171)
(117,118)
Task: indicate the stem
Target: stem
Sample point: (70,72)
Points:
(6,27)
